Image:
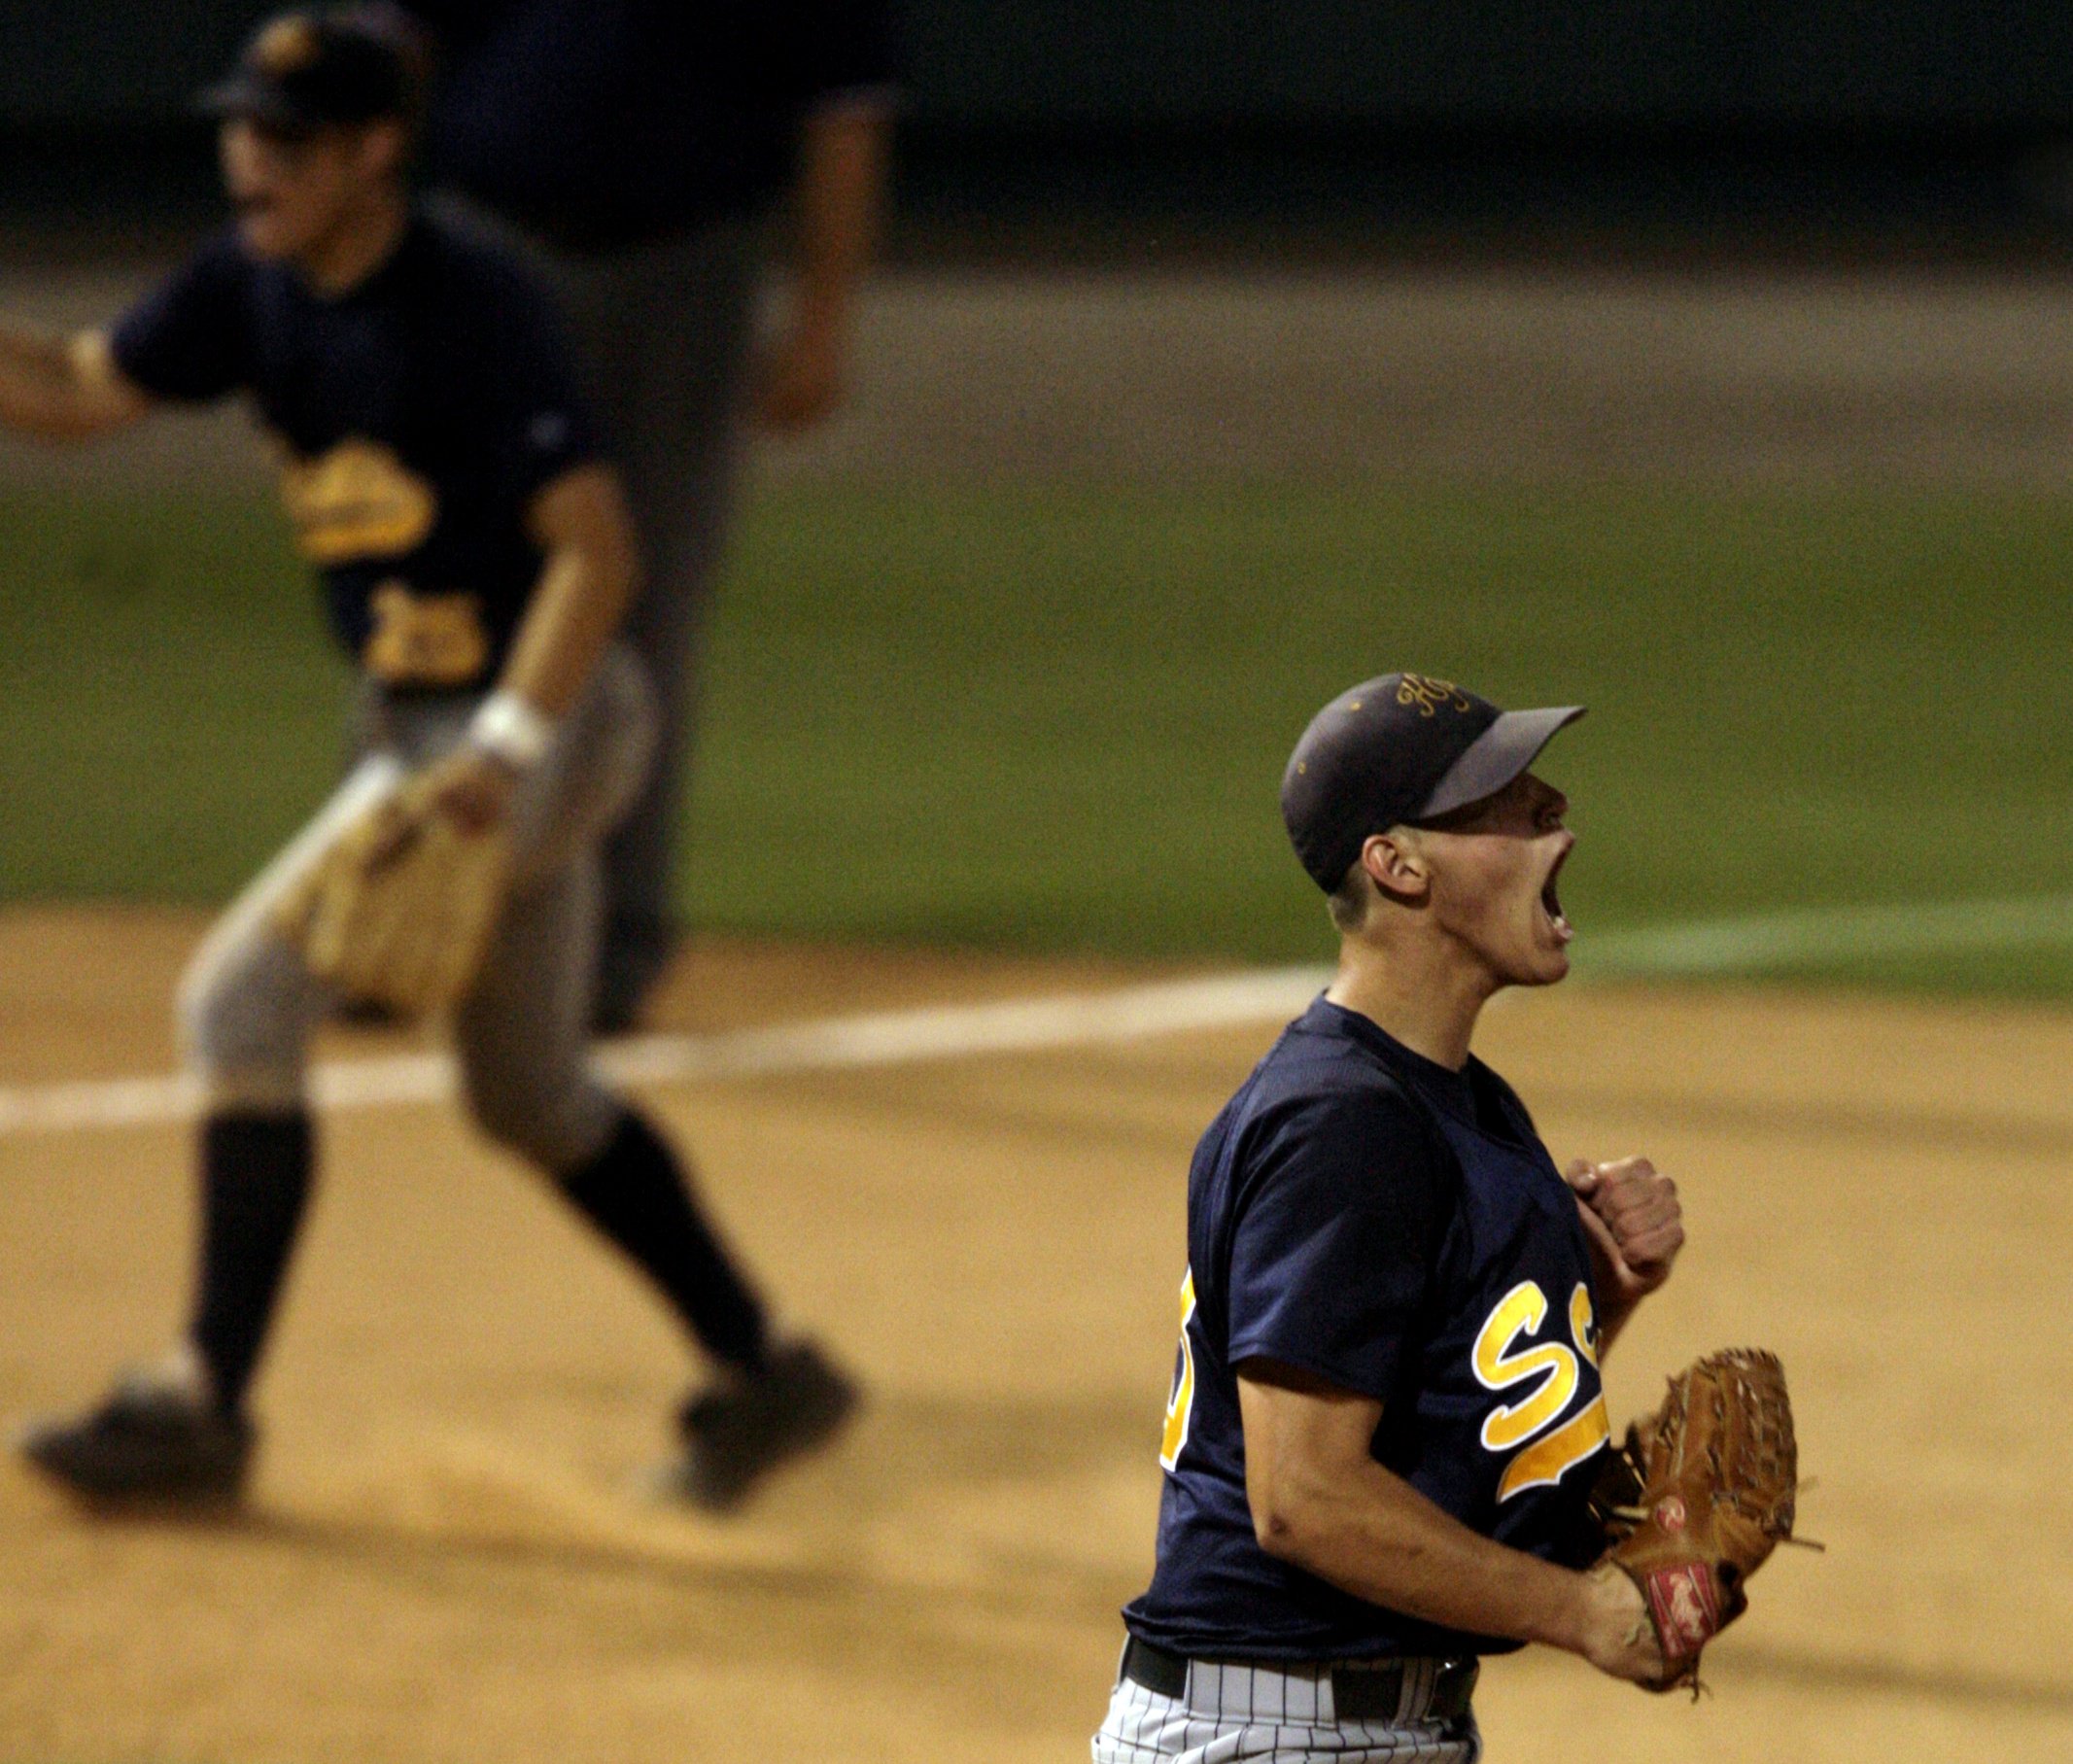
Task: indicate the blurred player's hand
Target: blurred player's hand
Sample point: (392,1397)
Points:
(1634,1221)
(472,788)
(798,374)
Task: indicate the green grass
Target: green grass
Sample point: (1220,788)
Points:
(1055,718)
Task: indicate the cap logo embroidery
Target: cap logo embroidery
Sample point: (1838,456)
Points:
(1429,694)
(287,46)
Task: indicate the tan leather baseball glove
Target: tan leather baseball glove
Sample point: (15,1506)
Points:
(1710,1484)
(401,909)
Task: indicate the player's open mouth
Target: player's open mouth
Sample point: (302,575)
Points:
(1551,902)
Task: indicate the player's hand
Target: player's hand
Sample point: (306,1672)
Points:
(1634,1221)
(473,789)
(798,376)
(1615,1630)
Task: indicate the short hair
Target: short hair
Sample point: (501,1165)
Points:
(1348,903)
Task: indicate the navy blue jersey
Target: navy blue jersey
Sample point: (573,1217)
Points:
(418,414)
(1399,1231)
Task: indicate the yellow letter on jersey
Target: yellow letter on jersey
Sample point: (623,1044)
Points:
(1543,1463)
(425,640)
(1583,1323)
(1182,1403)
(358,501)
(1522,1312)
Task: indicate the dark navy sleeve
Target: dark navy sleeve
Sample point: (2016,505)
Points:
(534,422)
(1332,1242)
(189,338)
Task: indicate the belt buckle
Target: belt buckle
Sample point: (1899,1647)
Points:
(1453,1688)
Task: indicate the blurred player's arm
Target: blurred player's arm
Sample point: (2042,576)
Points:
(840,191)
(1634,1227)
(1322,1502)
(581,523)
(63,388)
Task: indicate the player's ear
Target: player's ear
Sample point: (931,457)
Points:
(1396,863)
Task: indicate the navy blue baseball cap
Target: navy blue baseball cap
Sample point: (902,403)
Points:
(337,66)
(1400,748)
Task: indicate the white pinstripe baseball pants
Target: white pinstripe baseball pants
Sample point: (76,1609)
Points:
(1254,1712)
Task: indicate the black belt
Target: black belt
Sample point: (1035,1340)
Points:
(1359,1693)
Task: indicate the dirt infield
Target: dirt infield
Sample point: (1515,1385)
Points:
(446,1560)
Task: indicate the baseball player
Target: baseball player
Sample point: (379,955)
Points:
(1386,1413)
(476,558)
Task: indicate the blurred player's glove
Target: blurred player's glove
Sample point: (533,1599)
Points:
(400,910)
(1702,1494)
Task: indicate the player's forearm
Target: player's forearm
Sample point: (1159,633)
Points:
(585,587)
(582,599)
(1371,1534)
(60,388)
(841,187)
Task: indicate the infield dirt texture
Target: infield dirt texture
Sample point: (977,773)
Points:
(445,1560)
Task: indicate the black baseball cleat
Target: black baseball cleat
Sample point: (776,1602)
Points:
(148,1443)
(735,1435)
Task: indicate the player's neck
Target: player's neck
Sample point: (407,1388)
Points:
(365,238)
(1417,995)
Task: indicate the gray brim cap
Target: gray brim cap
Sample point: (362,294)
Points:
(1497,756)
(1400,748)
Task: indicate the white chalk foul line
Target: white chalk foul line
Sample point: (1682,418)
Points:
(833,1044)
(1773,943)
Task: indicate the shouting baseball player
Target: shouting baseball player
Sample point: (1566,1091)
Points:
(476,558)
(1386,1415)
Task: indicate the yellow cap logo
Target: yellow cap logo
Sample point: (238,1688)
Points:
(285,46)
(1429,694)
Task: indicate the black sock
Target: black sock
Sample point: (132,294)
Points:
(255,1185)
(638,1194)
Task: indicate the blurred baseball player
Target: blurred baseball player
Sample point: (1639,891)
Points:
(476,558)
(1387,1413)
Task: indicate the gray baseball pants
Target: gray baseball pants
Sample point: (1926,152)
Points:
(663,333)
(248,1005)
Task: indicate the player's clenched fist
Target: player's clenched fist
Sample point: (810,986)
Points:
(1634,1221)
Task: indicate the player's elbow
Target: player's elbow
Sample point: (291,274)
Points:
(583,523)
(1289,1522)
(609,567)
(1277,1530)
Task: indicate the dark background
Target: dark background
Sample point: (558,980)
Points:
(1154,127)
